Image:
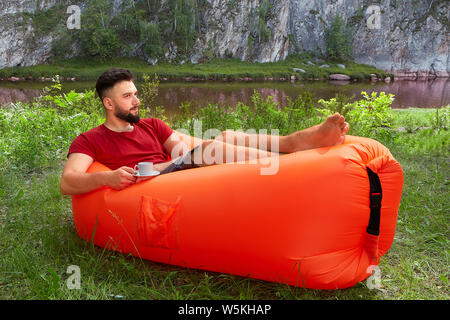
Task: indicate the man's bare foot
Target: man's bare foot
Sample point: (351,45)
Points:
(331,132)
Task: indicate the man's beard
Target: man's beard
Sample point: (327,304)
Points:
(127,116)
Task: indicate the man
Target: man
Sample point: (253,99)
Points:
(125,140)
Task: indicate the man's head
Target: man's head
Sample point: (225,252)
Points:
(118,94)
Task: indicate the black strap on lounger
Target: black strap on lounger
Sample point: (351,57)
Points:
(376,195)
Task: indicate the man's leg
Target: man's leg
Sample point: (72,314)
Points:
(330,132)
(234,146)
(212,152)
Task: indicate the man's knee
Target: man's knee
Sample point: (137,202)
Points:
(202,154)
(233,137)
(224,135)
(207,143)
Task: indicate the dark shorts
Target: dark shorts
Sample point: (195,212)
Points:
(182,163)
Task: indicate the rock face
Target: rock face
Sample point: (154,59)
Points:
(232,31)
(412,38)
(406,38)
(18,44)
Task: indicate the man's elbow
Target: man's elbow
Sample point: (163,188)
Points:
(63,187)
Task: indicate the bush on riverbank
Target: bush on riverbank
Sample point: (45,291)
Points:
(38,134)
(38,240)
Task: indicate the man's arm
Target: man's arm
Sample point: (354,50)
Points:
(75,179)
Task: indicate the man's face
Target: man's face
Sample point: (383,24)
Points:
(124,101)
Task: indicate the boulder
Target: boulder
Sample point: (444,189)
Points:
(152,61)
(324,66)
(341,66)
(298,70)
(340,77)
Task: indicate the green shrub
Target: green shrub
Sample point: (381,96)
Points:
(148,93)
(341,103)
(441,119)
(371,116)
(38,134)
(260,114)
(69,103)
(35,138)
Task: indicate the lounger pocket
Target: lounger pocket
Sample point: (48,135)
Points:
(156,227)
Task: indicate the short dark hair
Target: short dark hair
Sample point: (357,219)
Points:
(109,78)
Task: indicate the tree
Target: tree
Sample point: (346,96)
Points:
(339,40)
(151,38)
(97,38)
(183,17)
(263,13)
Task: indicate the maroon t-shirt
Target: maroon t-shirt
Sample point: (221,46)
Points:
(117,149)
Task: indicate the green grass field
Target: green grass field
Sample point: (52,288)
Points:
(216,69)
(38,240)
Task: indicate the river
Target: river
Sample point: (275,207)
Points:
(422,94)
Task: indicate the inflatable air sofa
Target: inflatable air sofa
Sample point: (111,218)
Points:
(323,221)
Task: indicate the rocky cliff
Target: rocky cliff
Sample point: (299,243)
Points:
(402,37)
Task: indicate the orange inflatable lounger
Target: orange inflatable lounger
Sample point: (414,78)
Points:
(322,221)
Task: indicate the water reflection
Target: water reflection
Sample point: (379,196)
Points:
(423,94)
(8,95)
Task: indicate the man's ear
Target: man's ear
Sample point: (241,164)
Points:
(107,102)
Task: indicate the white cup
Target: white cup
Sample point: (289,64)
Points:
(144,169)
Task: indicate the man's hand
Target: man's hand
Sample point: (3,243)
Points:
(121,178)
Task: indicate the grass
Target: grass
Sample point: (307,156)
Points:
(38,240)
(216,69)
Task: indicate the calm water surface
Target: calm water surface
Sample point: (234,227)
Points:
(422,94)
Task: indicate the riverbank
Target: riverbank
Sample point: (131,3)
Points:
(295,67)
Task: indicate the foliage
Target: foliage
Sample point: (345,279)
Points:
(62,43)
(183,16)
(339,40)
(34,138)
(441,119)
(148,93)
(263,15)
(36,135)
(372,115)
(45,21)
(261,114)
(369,117)
(151,37)
(69,103)
(97,37)
(341,103)
(142,27)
